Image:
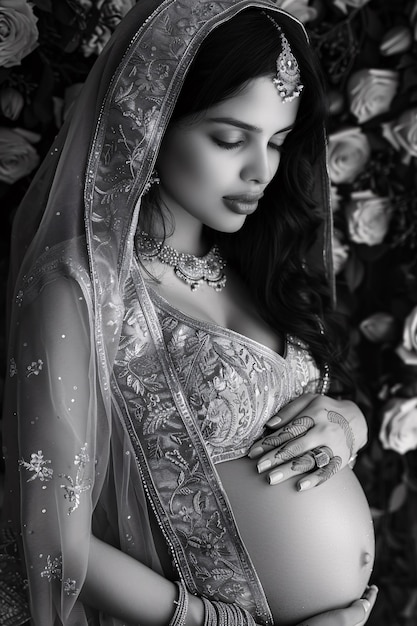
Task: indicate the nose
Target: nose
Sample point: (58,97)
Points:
(261,165)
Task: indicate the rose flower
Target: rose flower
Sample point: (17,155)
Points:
(368,217)
(402,134)
(18,31)
(408,349)
(399,425)
(349,151)
(18,157)
(371,92)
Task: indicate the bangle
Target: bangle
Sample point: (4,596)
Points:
(224,614)
(181,610)
(210,616)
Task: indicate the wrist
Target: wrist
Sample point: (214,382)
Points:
(195,614)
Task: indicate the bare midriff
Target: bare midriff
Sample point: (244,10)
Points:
(312,550)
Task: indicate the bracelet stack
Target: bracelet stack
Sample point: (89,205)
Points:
(225,614)
(181,610)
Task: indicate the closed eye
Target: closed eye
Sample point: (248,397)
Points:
(279,148)
(228,145)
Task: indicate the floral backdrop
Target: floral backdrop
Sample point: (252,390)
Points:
(368,49)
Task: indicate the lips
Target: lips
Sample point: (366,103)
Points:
(243,204)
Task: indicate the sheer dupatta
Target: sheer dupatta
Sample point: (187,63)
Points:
(70,460)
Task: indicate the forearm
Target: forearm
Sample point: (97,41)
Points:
(119,585)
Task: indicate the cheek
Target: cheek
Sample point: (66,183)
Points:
(193,162)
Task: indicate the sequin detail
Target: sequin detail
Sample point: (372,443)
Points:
(75,487)
(53,571)
(34,368)
(37,465)
(12,368)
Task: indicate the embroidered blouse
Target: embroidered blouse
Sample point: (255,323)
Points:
(233,383)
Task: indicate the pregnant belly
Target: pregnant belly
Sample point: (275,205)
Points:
(312,550)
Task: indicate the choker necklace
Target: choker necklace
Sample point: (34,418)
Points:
(192,270)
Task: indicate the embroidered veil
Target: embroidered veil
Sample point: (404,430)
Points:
(71,454)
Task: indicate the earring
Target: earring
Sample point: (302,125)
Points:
(153,180)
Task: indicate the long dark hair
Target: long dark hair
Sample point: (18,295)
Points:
(271,250)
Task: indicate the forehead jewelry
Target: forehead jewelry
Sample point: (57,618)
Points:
(287,80)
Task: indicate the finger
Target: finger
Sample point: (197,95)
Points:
(318,457)
(356,614)
(300,465)
(281,455)
(366,604)
(291,410)
(371,594)
(321,475)
(294,429)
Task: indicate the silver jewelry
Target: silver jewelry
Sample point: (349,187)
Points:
(192,270)
(180,613)
(217,613)
(321,456)
(288,80)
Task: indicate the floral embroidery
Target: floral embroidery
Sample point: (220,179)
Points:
(34,368)
(19,297)
(70,588)
(37,465)
(12,368)
(136,379)
(53,568)
(53,571)
(77,486)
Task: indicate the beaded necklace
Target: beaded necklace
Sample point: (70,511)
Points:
(189,268)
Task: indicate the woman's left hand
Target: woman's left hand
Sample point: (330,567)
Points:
(313,435)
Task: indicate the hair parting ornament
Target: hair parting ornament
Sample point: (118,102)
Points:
(287,80)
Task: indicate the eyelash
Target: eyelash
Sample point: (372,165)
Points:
(231,146)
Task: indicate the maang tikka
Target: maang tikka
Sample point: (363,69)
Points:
(287,80)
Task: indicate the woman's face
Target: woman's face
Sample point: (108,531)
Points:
(214,168)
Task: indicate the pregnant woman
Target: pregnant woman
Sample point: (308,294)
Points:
(172,302)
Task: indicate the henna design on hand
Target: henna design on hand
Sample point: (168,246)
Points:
(302,464)
(289,453)
(337,418)
(329,470)
(297,427)
(307,462)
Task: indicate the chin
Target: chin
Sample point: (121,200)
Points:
(228,226)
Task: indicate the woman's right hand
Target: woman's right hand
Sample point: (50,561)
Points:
(356,614)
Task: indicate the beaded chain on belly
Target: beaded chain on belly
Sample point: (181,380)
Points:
(192,270)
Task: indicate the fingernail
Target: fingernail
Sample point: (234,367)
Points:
(264,465)
(275,477)
(256,451)
(274,421)
(366,604)
(303,484)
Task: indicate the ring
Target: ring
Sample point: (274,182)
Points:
(321,457)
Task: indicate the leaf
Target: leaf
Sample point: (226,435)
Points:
(197,502)
(181,478)
(397,498)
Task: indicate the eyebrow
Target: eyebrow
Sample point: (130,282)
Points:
(233,122)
